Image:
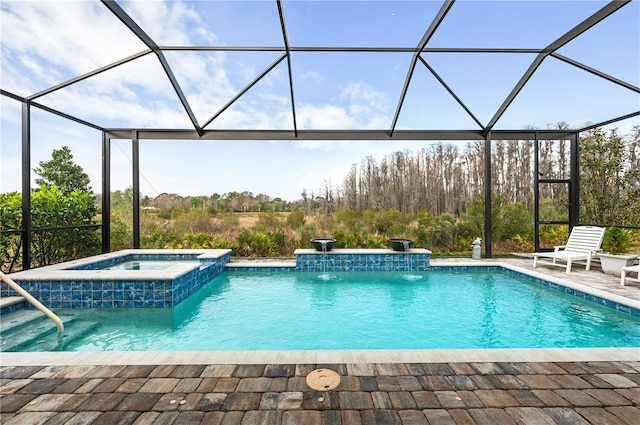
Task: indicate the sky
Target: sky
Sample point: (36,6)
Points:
(45,43)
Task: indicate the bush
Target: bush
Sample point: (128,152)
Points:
(305,234)
(10,219)
(349,219)
(268,244)
(615,241)
(295,219)
(268,221)
(388,219)
(194,221)
(347,239)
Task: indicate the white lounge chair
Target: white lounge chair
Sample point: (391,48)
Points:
(629,269)
(583,244)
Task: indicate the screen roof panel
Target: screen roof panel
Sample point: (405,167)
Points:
(135,94)
(611,43)
(208,23)
(45,43)
(266,105)
(481,81)
(212,79)
(547,99)
(510,24)
(428,105)
(335,91)
(358,23)
(346,65)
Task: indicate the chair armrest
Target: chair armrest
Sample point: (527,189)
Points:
(558,247)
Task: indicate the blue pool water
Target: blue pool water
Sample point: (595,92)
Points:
(146,264)
(360,310)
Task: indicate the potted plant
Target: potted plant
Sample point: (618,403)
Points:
(615,244)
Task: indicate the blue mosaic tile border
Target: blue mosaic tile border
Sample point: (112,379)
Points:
(253,269)
(121,293)
(362,262)
(601,301)
(467,268)
(569,291)
(13,307)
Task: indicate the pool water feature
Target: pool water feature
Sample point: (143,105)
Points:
(362,310)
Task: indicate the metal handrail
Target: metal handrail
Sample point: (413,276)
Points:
(37,304)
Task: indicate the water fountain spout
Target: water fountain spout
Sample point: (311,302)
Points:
(323,245)
(400,244)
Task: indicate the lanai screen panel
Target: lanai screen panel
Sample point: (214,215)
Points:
(308,65)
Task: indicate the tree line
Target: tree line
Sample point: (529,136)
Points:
(433,195)
(447,179)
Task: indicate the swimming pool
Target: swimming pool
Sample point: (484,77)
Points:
(361,310)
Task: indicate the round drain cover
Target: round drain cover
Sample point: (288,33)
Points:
(323,379)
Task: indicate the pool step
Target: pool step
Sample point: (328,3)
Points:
(30,330)
(10,304)
(22,327)
(18,319)
(50,341)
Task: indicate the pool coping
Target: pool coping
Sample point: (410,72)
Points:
(67,271)
(358,251)
(350,356)
(321,356)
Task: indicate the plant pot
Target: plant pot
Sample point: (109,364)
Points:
(613,263)
(400,244)
(323,245)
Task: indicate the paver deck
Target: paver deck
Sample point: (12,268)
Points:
(442,387)
(396,393)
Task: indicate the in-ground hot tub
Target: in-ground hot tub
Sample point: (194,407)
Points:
(134,278)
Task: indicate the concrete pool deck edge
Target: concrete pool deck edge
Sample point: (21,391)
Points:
(321,356)
(69,269)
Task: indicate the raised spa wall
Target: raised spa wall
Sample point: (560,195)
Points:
(362,260)
(81,283)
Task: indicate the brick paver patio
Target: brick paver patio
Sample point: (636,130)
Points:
(389,394)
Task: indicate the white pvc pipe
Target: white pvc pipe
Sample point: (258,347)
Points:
(37,304)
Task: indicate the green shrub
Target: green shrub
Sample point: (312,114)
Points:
(387,220)
(615,241)
(305,234)
(267,244)
(295,219)
(349,219)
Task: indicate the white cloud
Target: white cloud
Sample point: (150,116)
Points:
(318,117)
(323,145)
(168,23)
(49,32)
(362,94)
(361,107)
(313,76)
